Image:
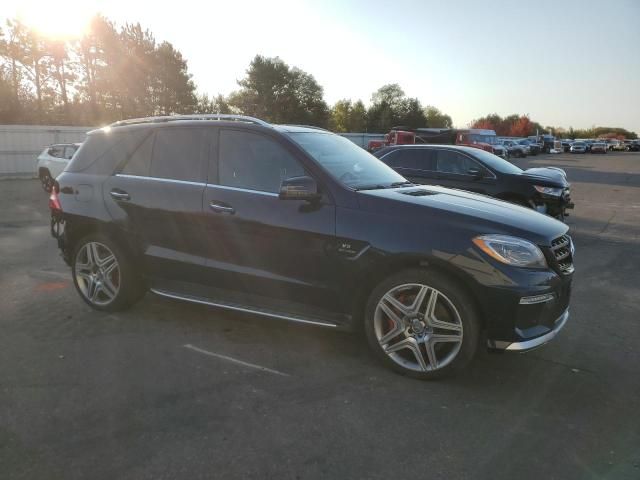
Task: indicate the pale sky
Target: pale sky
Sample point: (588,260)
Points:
(563,62)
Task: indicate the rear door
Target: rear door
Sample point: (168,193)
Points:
(157,198)
(455,170)
(260,246)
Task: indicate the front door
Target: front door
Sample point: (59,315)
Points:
(259,245)
(415,164)
(458,170)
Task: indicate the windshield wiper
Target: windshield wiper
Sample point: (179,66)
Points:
(381,187)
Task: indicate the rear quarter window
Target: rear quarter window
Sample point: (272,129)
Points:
(105,150)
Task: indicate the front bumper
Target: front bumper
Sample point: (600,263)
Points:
(520,306)
(525,345)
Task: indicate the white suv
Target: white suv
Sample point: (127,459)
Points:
(53,160)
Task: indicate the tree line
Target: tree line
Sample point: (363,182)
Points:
(516,125)
(113,73)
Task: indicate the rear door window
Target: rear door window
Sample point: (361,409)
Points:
(140,161)
(179,154)
(254,162)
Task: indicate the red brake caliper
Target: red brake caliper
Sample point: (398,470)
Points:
(390,323)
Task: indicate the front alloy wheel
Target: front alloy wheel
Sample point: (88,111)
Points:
(418,327)
(422,324)
(97,273)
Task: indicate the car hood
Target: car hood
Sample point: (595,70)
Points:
(479,213)
(547,174)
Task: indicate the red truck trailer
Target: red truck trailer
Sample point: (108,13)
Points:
(471,137)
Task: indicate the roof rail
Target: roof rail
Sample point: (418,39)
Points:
(306,126)
(205,116)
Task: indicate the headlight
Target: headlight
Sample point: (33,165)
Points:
(555,192)
(511,250)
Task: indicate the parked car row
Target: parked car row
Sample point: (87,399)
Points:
(297,223)
(600,145)
(516,148)
(533,145)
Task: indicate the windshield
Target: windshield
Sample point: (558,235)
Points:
(495,162)
(346,162)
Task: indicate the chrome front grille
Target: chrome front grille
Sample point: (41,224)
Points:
(562,250)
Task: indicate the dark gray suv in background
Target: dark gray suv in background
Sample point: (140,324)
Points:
(296,223)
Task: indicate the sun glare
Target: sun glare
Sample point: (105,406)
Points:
(60,20)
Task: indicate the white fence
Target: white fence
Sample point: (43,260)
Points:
(20,145)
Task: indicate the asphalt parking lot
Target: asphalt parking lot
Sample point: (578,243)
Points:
(151,392)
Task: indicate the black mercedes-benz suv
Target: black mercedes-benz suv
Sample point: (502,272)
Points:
(543,189)
(297,223)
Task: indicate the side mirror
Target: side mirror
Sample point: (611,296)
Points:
(299,188)
(475,173)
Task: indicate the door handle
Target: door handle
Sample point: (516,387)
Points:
(119,194)
(222,208)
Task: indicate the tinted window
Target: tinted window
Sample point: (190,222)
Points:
(140,161)
(454,162)
(412,158)
(178,154)
(106,149)
(255,162)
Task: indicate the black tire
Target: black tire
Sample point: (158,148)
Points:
(46,180)
(130,285)
(451,294)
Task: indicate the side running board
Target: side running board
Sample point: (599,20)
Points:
(241,308)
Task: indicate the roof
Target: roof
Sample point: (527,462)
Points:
(460,148)
(197,119)
(300,129)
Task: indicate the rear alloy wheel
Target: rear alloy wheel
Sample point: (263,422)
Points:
(97,273)
(103,276)
(46,180)
(422,326)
